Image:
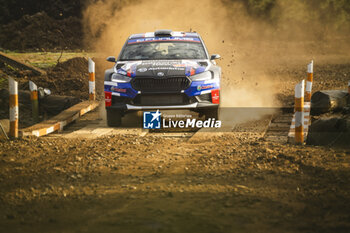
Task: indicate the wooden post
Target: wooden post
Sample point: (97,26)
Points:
(92,95)
(310,70)
(299,112)
(13,89)
(35,102)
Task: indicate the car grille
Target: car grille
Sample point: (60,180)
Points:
(160,85)
(161,99)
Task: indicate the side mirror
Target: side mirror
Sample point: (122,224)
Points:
(111,59)
(215,56)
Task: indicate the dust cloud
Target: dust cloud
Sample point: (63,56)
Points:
(249,47)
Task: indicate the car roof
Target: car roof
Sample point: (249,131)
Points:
(164,33)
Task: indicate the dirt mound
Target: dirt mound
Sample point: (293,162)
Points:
(71,78)
(68,78)
(41,31)
(58,9)
(72,65)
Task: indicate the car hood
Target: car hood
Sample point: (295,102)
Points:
(161,68)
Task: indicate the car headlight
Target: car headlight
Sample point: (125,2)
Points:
(120,78)
(207,75)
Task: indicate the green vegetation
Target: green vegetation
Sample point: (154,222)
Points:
(331,14)
(46,60)
(3,81)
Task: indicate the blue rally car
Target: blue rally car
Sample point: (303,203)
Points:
(162,70)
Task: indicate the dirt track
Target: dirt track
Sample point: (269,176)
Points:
(234,182)
(92,178)
(228,183)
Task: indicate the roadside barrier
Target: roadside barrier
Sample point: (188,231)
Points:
(13,90)
(92,95)
(301,119)
(299,112)
(34,99)
(310,69)
(307,104)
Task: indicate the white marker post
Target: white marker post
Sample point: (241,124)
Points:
(310,77)
(299,112)
(34,99)
(92,95)
(13,89)
(349,87)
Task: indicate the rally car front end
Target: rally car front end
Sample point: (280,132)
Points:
(164,83)
(199,92)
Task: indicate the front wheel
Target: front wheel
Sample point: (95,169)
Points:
(114,117)
(211,113)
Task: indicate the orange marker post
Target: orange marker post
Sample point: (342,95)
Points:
(92,95)
(13,89)
(299,112)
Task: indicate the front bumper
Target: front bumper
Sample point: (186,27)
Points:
(129,107)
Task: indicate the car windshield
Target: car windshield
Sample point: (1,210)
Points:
(163,51)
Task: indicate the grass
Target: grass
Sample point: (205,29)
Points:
(3,81)
(46,60)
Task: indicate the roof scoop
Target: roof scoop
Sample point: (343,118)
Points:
(163,33)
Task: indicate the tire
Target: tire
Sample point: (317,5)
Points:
(211,113)
(114,118)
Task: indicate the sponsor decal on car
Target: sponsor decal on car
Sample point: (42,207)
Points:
(108,99)
(183,67)
(215,96)
(157,39)
(118,89)
(205,87)
(141,70)
(166,68)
